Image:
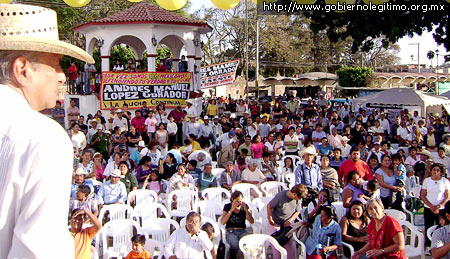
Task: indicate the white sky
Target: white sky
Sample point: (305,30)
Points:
(426,41)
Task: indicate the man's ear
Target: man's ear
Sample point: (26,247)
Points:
(20,71)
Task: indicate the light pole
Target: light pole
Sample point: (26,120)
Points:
(418,54)
(246,49)
(437,72)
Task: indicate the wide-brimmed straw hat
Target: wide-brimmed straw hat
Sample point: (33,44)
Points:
(34,28)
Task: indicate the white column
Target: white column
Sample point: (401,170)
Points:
(197,75)
(105,63)
(191,63)
(175,63)
(151,62)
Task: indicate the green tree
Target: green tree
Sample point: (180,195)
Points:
(354,76)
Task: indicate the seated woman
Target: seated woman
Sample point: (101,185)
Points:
(229,177)
(330,177)
(337,159)
(143,170)
(181,180)
(206,178)
(169,167)
(325,236)
(386,238)
(234,216)
(287,168)
(353,191)
(325,199)
(354,227)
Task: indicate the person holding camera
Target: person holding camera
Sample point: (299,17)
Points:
(309,174)
(234,216)
(282,210)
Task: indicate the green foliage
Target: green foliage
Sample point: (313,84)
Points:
(122,54)
(354,76)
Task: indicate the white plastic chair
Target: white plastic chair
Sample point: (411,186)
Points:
(350,247)
(430,231)
(339,209)
(271,188)
(142,197)
(161,229)
(414,240)
(154,248)
(257,243)
(260,213)
(217,194)
(121,231)
(209,208)
(290,180)
(415,191)
(296,160)
(246,189)
(396,214)
(145,214)
(185,199)
(116,211)
(302,251)
(217,171)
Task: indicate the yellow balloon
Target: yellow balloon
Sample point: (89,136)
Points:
(5,1)
(376,2)
(267,1)
(135,1)
(77,3)
(225,4)
(171,5)
(305,1)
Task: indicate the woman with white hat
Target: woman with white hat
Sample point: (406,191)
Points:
(30,56)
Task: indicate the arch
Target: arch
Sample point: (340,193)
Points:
(90,46)
(174,42)
(133,41)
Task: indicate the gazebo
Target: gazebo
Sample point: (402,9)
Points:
(142,27)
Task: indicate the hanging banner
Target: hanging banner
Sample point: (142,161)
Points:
(219,74)
(134,89)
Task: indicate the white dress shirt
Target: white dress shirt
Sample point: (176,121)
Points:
(79,141)
(121,123)
(185,246)
(205,130)
(35,181)
(193,128)
(112,193)
(172,128)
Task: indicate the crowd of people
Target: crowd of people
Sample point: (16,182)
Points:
(335,153)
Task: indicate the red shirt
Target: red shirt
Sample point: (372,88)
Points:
(138,123)
(73,73)
(360,166)
(178,116)
(384,237)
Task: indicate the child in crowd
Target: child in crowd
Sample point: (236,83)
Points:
(153,182)
(83,237)
(244,154)
(138,252)
(266,167)
(278,147)
(373,190)
(209,229)
(399,169)
(85,200)
(194,170)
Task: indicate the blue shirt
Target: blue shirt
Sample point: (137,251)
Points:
(112,193)
(319,236)
(324,150)
(136,156)
(311,177)
(402,175)
(74,188)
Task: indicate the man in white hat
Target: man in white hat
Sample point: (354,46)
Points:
(120,121)
(206,131)
(79,179)
(192,126)
(113,191)
(345,147)
(35,165)
(136,155)
(190,109)
(308,173)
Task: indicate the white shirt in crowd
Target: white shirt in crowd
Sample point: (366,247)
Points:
(384,123)
(435,190)
(445,161)
(224,140)
(193,128)
(205,130)
(345,150)
(172,128)
(121,123)
(183,245)
(403,132)
(33,162)
(79,141)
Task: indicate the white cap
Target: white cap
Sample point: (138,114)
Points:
(206,118)
(80,171)
(99,127)
(233,116)
(141,143)
(116,173)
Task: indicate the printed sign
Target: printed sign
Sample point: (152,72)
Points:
(134,89)
(219,74)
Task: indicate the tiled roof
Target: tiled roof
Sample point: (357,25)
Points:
(148,13)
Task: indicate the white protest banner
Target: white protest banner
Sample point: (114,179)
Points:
(219,74)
